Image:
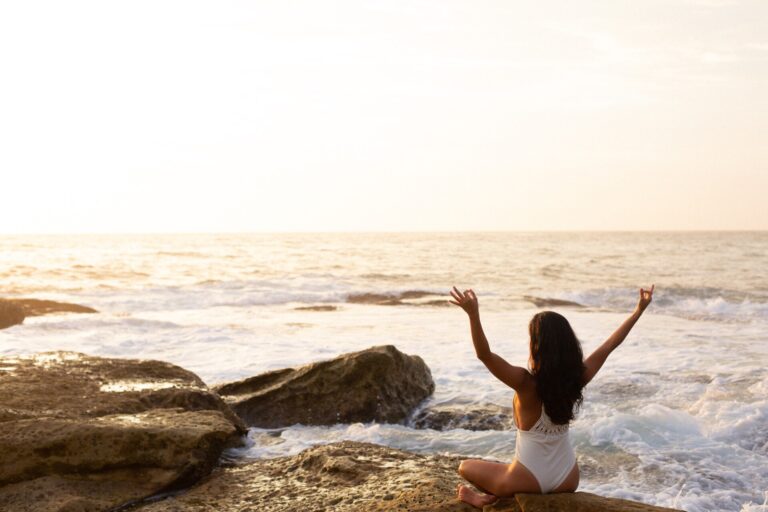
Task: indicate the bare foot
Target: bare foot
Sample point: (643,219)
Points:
(474,498)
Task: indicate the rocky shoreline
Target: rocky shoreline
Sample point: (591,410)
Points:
(81,433)
(351,476)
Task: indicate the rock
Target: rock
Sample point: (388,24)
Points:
(342,477)
(37,307)
(377,384)
(353,477)
(547,302)
(13,311)
(319,307)
(10,313)
(571,502)
(448,417)
(406,298)
(374,298)
(81,433)
(434,302)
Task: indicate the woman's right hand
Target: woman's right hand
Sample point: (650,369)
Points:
(466,301)
(646,296)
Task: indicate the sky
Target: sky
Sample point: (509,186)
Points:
(362,115)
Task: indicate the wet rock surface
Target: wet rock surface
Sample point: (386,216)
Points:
(351,476)
(87,433)
(377,384)
(13,311)
(448,417)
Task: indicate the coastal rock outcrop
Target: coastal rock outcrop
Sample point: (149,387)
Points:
(377,384)
(13,311)
(448,417)
(81,433)
(352,477)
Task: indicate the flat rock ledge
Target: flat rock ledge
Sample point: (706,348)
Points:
(14,311)
(81,433)
(351,476)
(377,384)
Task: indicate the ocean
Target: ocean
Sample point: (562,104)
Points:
(677,417)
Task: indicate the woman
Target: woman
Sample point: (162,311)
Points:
(546,395)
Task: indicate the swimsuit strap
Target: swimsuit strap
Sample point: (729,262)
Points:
(544,425)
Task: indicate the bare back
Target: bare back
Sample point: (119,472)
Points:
(526,404)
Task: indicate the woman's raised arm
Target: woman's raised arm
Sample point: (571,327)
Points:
(513,376)
(595,361)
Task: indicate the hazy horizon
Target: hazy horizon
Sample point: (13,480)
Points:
(402,231)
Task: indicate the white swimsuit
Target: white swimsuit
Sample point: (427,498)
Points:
(545,449)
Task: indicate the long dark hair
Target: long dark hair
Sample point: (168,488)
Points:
(558,365)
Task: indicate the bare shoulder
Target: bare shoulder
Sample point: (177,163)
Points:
(528,385)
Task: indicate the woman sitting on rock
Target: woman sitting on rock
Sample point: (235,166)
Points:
(545,398)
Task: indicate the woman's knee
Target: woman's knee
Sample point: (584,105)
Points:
(463,469)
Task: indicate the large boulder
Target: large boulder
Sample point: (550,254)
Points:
(13,311)
(81,433)
(352,477)
(378,384)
